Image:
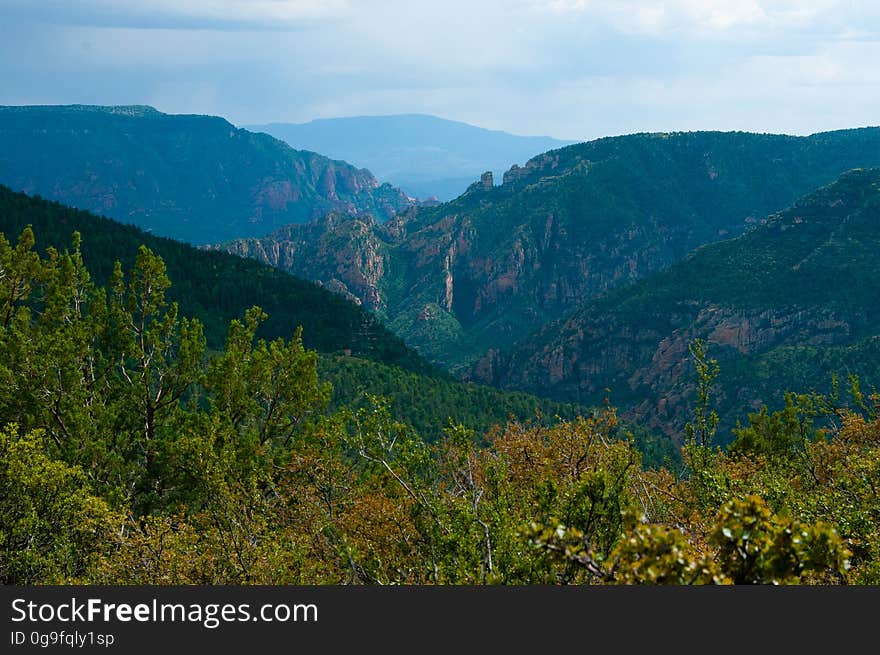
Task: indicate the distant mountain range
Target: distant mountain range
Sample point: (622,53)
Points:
(424,155)
(487,269)
(782,307)
(589,268)
(195,178)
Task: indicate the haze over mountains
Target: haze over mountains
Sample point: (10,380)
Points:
(424,155)
(194,178)
(486,269)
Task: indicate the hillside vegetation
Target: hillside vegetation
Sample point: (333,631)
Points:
(213,286)
(195,178)
(485,270)
(130,454)
(356,353)
(789,305)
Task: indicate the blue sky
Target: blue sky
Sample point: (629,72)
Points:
(573,69)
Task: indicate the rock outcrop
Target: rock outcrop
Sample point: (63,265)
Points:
(193,178)
(782,308)
(500,262)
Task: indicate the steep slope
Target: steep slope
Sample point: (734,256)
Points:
(429,403)
(213,286)
(497,263)
(782,307)
(194,178)
(424,155)
(358,355)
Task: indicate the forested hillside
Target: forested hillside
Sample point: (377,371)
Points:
(358,356)
(787,306)
(431,404)
(132,454)
(194,178)
(212,286)
(485,270)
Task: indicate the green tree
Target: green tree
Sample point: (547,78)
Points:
(268,391)
(757,547)
(700,431)
(51,523)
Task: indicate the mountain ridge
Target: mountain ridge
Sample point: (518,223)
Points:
(491,266)
(783,306)
(357,354)
(186,176)
(423,154)
(212,286)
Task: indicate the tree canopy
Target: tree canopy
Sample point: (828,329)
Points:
(130,452)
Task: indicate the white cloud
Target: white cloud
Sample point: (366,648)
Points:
(245,10)
(697,16)
(568,68)
(844,64)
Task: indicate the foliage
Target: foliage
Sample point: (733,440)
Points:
(784,433)
(52,524)
(701,432)
(788,306)
(131,453)
(212,286)
(756,547)
(428,404)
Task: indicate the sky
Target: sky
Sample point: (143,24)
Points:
(572,69)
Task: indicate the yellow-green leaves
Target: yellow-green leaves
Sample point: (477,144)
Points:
(52,524)
(755,546)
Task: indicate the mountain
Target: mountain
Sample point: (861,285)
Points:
(193,178)
(497,263)
(358,355)
(213,286)
(424,155)
(782,307)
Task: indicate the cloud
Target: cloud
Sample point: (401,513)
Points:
(234,15)
(698,17)
(568,68)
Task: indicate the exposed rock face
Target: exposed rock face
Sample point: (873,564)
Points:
(769,304)
(449,285)
(653,368)
(340,251)
(486,181)
(276,195)
(194,178)
(500,262)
